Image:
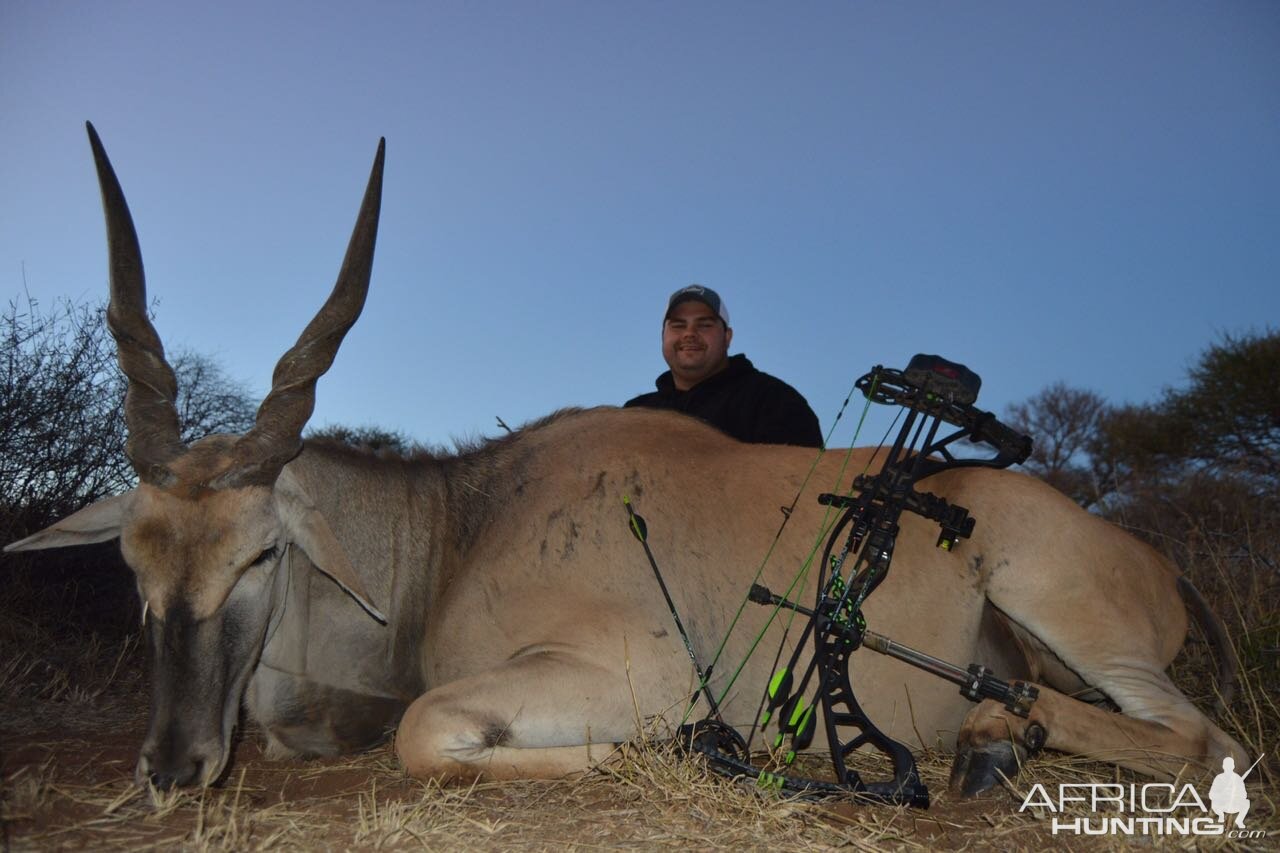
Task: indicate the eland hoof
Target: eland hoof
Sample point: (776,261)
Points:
(975,770)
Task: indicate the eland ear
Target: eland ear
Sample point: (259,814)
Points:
(98,522)
(311,532)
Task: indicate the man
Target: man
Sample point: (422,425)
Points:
(726,392)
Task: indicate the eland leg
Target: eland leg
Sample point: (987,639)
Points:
(1157,732)
(542,715)
(1097,614)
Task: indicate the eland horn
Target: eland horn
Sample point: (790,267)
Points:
(276,436)
(149,408)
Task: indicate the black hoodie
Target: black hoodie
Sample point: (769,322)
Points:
(743,402)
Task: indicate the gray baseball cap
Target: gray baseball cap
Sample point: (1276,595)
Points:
(698,293)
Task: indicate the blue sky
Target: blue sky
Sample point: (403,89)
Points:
(1087,192)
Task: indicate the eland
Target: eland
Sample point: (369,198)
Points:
(491,609)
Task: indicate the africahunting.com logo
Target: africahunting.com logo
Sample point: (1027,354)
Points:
(1154,808)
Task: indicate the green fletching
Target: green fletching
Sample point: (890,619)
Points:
(769,781)
(780,683)
(805,729)
(639,529)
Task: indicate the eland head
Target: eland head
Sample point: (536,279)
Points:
(209,523)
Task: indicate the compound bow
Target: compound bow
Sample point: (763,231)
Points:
(933,391)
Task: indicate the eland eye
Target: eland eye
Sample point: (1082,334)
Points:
(269,554)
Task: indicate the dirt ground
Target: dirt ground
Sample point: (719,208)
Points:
(74,790)
(67,770)
(73,708)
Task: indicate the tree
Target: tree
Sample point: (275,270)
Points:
(209,401)
(1225,425)
(1206,455)
(369,437)
(1229,419)
(1064,424)
(61,412)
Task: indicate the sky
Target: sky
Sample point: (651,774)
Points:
(1086,192)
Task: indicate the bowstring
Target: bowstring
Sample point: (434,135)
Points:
(802,574)
(786,517)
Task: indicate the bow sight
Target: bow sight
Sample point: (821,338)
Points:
(933,392)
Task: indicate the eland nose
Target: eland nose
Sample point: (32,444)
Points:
(178,772)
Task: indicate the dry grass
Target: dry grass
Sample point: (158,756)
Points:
(647,798)
(72,714)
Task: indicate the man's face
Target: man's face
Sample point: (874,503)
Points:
(695,343)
